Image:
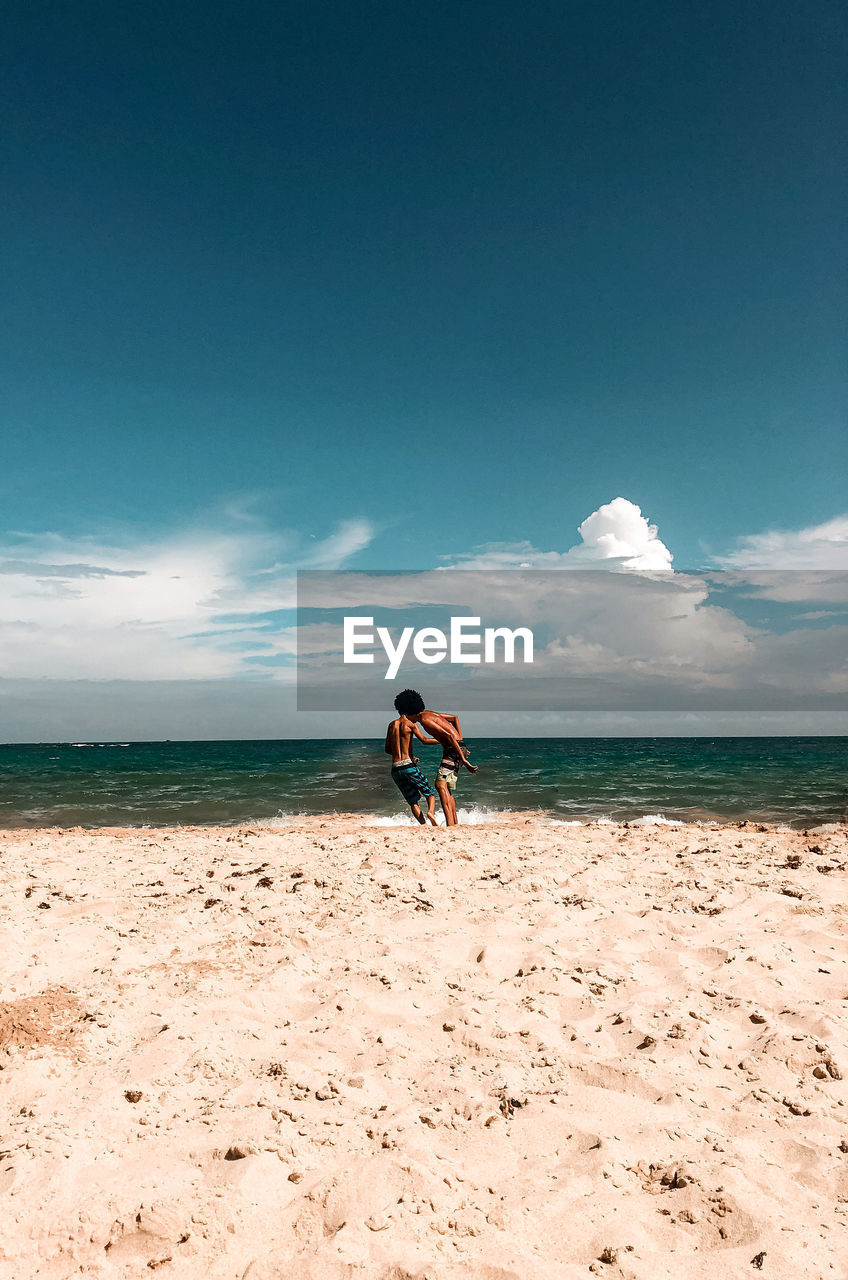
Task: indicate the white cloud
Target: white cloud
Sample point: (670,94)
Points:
(793,565)
(616,536)
(152,609)
(350,537)
(822,546)
(619,531)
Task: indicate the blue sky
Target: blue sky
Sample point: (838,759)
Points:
(386,284)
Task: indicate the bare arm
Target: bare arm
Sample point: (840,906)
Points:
(472,768)
(430,742)
(457,748)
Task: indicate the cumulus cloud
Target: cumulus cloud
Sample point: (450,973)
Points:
(619,531)
(821,546)
(616,536)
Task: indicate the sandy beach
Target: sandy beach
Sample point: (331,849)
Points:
(515,1051)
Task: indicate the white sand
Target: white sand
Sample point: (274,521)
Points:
(491,1053)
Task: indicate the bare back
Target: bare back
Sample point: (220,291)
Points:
(445,730)
(398,739)
(440,728)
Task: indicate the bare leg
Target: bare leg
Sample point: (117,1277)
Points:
(448,806)
(417,814)
(431,810)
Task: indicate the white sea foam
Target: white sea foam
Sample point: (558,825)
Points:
(280,819)
(472,817)
(656,820)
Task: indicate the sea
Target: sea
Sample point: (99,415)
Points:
(797,781)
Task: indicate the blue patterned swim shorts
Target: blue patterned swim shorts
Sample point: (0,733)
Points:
(411,782)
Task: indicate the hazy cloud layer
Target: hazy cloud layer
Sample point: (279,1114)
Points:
(37,569)
(124,710)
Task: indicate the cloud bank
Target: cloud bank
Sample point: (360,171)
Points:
(198,606)
(650,640)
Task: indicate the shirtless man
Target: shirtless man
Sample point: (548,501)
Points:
(409,779)
(447,773)
(447,734)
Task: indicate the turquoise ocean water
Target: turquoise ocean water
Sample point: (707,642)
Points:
(801,781)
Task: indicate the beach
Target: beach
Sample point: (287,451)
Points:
(328,1049)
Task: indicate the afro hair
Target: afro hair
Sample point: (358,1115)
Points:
(409,703)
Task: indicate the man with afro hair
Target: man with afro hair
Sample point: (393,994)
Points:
(409,779)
